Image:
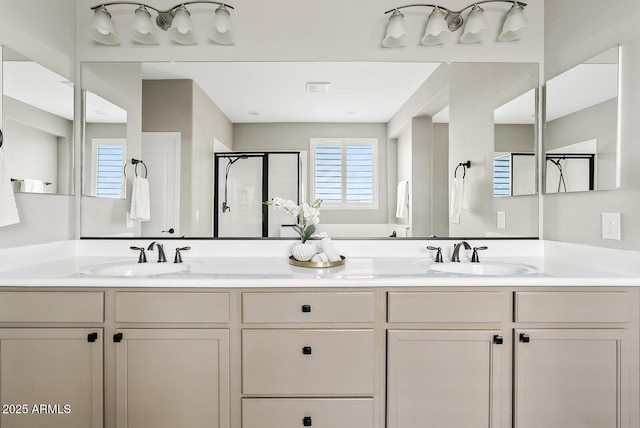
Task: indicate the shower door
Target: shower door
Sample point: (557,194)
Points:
(239,196)
(243,182)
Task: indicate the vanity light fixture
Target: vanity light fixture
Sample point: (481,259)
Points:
(176,21)
(442,22)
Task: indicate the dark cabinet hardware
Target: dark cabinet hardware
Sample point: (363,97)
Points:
(306,421)
(92,337)
(306,308)
(497,339)
(117,338)
(306,350)
(524,338)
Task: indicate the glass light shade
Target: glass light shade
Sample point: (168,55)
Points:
(143,30)
(476,27)
(515,25)
(397,33)
(221,27)
(437,30)
(101,28)
(181,30)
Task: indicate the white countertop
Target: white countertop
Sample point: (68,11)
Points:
(265,264)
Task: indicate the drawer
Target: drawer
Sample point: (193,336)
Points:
(308,307)
(454,307)
(172,307)
(572,306)
(308,362)
(51,306)
(318,413)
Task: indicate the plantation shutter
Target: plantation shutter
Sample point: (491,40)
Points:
(359,186)
(502,176)
(109,171)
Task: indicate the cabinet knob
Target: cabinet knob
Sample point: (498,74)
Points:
(497,339)
(92,337)
(306,350)
(306,421)
(524,338)
(117,338)
(306,308)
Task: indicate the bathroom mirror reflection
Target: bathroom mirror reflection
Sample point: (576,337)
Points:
(105,148)
(256,108)
(582,142)
(37,126)
(514,130)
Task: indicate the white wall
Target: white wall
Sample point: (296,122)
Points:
(46,33)
(576,30)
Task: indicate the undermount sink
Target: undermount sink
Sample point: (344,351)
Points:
(128,268)
(483,268)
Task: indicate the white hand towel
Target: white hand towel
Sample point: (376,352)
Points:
(329,250)
(8,210)
(458,199)
(402,201)
(31,185)
(140,203)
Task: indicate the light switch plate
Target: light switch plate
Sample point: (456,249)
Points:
(501,220)
(611,226)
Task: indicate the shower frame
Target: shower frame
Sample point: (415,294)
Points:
(219,157)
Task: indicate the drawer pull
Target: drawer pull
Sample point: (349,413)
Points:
(497,339)
(306,350)
(306,308)
(117,338)
(524,338)
(306,421)
(92,337)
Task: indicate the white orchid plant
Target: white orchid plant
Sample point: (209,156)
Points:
(308,216)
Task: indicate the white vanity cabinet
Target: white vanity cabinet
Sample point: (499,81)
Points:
(572,359)
(310,359)
(447,359)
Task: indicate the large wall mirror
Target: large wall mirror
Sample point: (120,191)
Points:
(37,126)
(179,116)
(582,143)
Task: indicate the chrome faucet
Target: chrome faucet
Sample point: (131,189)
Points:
(455,256)
(162,258)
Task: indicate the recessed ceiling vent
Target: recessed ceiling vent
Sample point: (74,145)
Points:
(317,87)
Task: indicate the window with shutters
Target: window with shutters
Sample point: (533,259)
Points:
(344,172)
(108,162)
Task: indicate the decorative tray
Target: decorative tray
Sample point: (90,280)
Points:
(294,262)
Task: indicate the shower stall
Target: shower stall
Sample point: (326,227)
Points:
(243,181)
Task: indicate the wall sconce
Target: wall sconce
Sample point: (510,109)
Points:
(176,21)
(442,22)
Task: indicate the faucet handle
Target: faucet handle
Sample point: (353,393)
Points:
(142,258)
(438,256)
(474,256)
(178,257)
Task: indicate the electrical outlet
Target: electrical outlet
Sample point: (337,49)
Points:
(501,220)
(611,226)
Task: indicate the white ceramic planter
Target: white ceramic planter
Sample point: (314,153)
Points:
(303,252)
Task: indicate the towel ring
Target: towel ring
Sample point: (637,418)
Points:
(136,162)
(464,166)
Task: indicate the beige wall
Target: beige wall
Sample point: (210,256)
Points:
(570,39)
(296,137)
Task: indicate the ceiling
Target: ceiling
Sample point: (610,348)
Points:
(249,92)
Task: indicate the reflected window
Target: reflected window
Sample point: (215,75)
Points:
(514,174)
(109,161)
(344,172)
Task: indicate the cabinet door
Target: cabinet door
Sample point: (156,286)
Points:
(51,378)
(172,378)
(445,379)
(570,379)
